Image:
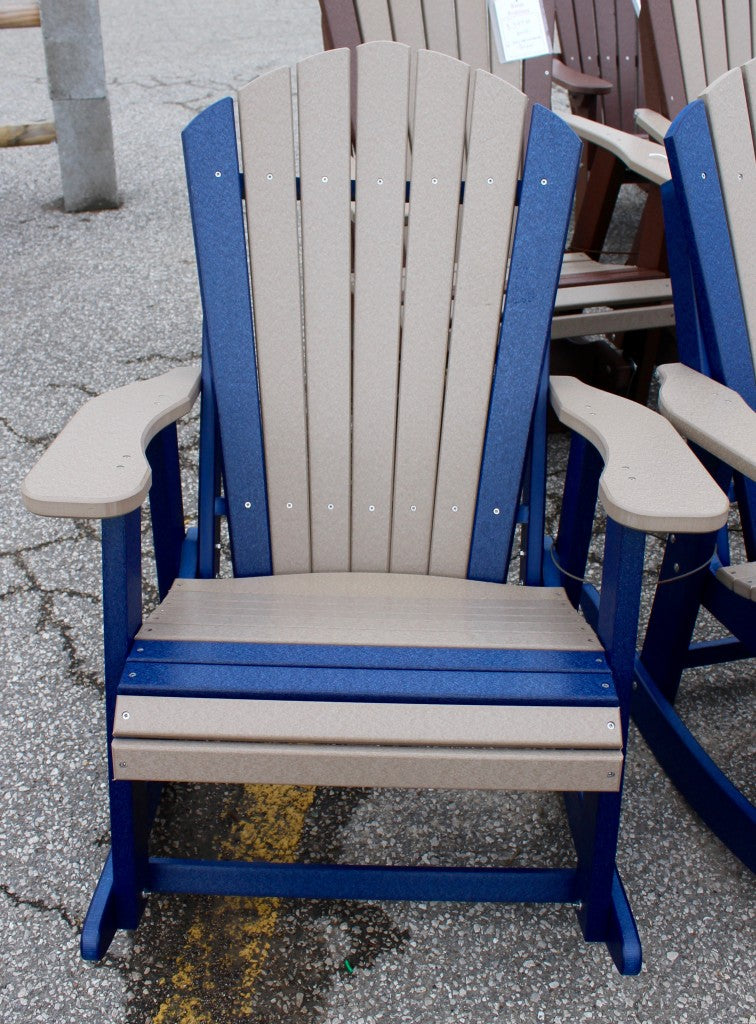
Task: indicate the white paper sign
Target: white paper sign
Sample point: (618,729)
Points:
(519,28)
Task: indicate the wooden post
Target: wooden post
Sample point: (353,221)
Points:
(19,16)
(76,79)
(36,134)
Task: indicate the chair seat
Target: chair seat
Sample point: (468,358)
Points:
(741,579)
(370,609)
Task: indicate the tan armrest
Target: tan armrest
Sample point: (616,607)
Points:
(653,124)
(651,479)
(709,414)
(645,158)
(577,82)
(95,468)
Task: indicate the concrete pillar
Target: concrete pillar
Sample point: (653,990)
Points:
(76,79)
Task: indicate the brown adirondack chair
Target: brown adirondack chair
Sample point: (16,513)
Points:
(686,46)
(594,297)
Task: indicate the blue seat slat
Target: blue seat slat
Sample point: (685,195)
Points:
(169,679)
(336,656)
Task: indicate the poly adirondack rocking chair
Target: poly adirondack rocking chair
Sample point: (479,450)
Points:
(372,458)
(711,399)
(595,296)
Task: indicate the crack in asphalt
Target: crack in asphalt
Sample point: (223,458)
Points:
(27,901)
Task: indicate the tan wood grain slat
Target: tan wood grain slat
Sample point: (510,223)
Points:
(325,151)
(732,135)
(441,26)
(690,46)
(713,39)
(738,28)
(267,138)
(407,22)
(374,19)
(620,293)
(379,242)
(187,761)
(360,722)
(373,609)
(440,115)
(498,115)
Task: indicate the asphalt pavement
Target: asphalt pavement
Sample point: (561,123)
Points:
(89,302)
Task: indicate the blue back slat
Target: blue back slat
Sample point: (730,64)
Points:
(212,170)
(545,201)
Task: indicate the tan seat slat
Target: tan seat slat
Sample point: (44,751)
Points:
(618,293)
(303,764)
(357,722)
(630,318)
(370,609)
(739,578)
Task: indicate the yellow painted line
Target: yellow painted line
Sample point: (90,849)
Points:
(268,827)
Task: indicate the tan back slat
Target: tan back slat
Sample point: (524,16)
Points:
(690,46)
(738,28)
(441,26)
(472,25)
(713,38)
(490,189)
(511,71)
(407,21)
(269,175)
(324,153)
(749,81)
(440,114)
(383,97)
(727,107)
(374,19)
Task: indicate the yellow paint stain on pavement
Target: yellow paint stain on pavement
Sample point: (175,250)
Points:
(227,945)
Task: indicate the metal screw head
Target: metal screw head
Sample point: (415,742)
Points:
(434,181)
(497,511)
(290,504)
(125,716)
(455,508)
(218,174)
(330,507)
(132,675)
(676,567)
(371,508)
(248,504)
(140,650)
(610,775)
(610,725)
(413,508)
(324,179)
(544,181)
(490,181)
(269,177)
(605,686)
(121,764)
(380,181)
(703,175)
